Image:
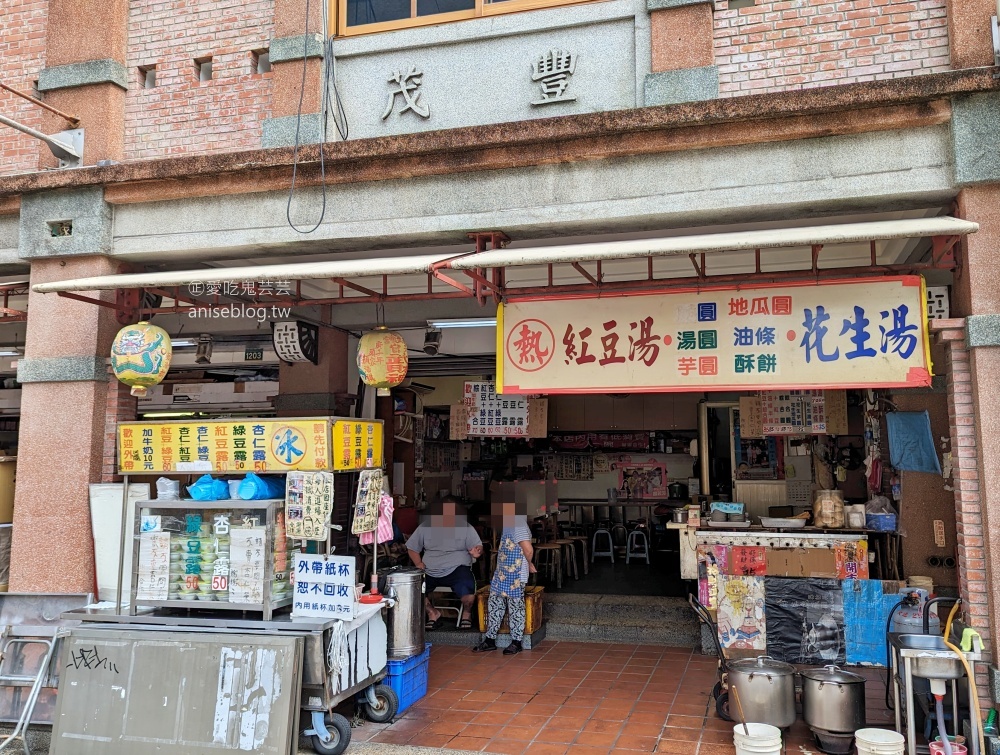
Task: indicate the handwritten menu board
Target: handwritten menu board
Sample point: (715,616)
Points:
(154,566)
(802,412)
(491,414)
(370,484)
(751,418)
(793,412)
(308,504)
(247,554)
(324,586)
(538,419)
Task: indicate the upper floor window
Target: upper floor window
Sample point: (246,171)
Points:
(367,16)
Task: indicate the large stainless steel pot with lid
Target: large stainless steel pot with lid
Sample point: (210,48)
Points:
(833,700)
(766,689)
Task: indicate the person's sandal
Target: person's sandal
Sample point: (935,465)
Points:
(513,648)
(485,646)
(465,624)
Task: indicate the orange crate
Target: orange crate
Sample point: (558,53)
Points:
(532,604)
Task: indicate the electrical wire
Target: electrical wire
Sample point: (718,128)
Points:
(295,149)
(336,107)
(329,104)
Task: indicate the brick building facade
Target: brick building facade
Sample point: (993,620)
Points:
(782,46)
(709,48)
(179,113)
(22,56)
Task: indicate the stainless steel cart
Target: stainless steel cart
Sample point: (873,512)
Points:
(339,661)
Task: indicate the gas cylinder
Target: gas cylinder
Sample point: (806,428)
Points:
(909,618)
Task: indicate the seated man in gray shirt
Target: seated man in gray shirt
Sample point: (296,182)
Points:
(444,547)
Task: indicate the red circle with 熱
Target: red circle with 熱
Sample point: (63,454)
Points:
(790,335)
(542,361)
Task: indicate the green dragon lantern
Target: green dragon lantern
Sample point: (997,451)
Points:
(140,356)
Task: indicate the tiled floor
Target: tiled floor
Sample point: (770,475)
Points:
(577,698)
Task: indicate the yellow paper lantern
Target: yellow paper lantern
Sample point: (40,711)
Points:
(140,356)
(382,359)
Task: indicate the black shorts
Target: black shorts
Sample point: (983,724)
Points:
(461,581)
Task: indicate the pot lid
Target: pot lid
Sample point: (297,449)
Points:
(832,674)
(762,665)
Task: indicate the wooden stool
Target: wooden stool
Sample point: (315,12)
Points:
(549,556)
(582,541)
(568,557)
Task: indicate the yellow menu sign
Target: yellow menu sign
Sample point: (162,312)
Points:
(250,445)
(357,444)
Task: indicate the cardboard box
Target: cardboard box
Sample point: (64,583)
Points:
(802,562)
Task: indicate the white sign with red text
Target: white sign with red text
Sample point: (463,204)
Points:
(827,335)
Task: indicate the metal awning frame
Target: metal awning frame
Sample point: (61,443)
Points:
(7,290)
(481,274)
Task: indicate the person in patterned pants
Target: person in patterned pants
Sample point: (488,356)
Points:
(507,586)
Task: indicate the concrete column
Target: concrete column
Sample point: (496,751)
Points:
(121,406)
(61,444)
(969,32)
(85,74)
(320,390)
(970,517)
(316,390)
(290,49)
(977,296)
(683,56)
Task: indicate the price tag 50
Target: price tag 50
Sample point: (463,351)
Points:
(220,582)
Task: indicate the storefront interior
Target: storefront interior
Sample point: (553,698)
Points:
(775,501)
(620,461)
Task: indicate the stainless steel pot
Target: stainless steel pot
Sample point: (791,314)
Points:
(833,699)
(679,516)
(405,625)
(766,689)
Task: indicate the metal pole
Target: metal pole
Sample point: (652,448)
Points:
(703,446)
(53,143)
(72,119)
(121,548)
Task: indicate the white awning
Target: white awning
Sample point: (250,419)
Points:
(714,243)
(297,271)
(846,233)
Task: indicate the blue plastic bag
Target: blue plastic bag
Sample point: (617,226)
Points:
(208,489)
(254,488)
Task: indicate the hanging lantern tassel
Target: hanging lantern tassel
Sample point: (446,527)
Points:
(140,356)
(382,360)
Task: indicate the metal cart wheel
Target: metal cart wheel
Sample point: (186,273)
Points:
(722,707)
(340,731)
(380,703)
